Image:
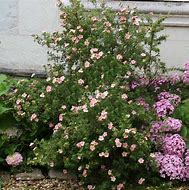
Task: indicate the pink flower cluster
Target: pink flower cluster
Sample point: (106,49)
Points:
(166,104)
(173,158)
(15,159)
(173,145)
(163,108)
(170,165)
(173,98)
(168,125)
(96,54)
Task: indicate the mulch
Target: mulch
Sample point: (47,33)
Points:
(46,184)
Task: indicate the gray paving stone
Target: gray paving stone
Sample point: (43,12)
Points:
(36,174)
(8,16)
(58,174)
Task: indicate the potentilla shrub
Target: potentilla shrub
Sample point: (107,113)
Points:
(107,64)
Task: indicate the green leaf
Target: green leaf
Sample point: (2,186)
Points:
(3,109)
(3,78)
(184,131)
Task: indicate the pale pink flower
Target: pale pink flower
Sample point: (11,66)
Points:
(141,181)
(81,30)
(84,173)
(103,115)
(118,142)
(74,50)
(134,112)
(104,134)
(113,178)
(24,95)
(79,168)
(76,42)
(65,171)
(60,80)
(120,186)
(42,95)
(127,131)
(80,71)
(124,96)
(57,126)
(84,108)
(125,136)
(19,101)
(90,187)
(94,19)
(87,64)
(60,151)
(135,20)
(63,107)
(140,160)
(109,172)
(34,117)
(143,54)
(86,42)
(106,154)
(124,154)
(93,102)
(125,145)
(92,147)
(152,155)
(75,109)
(80,144)
(94,50)
(99,55)
(110,126)
(119,57)
(133,147)
(49,89)
(66,44)
(104,94)
(133,62)
(94,143)
(113,85)
(127,36)
(100,138)
(122,19)
(60,117)
(81,81)
(80,36)
(51,125)
(107,24)
(101,154)
(78,27)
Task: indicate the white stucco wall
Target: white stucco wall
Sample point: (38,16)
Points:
(19,19)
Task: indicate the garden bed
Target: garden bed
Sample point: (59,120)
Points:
(109,110)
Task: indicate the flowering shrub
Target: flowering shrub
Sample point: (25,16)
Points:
(108,64)
(106,109)
(172,147)
(15,159)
